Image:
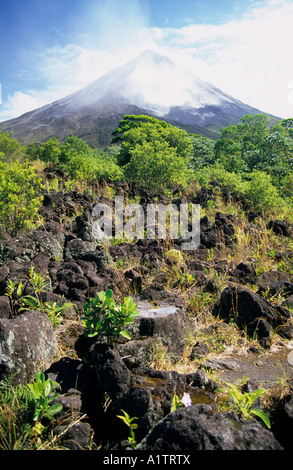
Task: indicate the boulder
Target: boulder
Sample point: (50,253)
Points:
(27,346)
(162,321)
(250,311)
(280,227)
(112,374)
(244,272)
(5,309)
(199,428)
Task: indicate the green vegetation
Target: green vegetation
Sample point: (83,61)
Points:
(77,159)
(244,402)
(20,197)
(36,283)
(42,395)
(132,426)
(24,409)
(253,159)
(152,152)
(249,168)
(103,316)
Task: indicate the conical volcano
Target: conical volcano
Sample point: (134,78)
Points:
(150,84)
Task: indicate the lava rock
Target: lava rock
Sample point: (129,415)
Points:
(27,346)
(200,428)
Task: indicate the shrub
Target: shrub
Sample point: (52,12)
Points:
(156,166)
(10,149)
(152,152)
(226,179)
(93,168)
(261,193)
(103,316)
(20,197)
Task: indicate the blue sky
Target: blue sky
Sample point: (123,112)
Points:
(52,48)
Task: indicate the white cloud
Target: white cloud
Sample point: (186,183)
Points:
(249,59)
(18,104)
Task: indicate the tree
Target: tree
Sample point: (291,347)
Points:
(238,146)
(152,152)
(202,153)
(48,152)
(156,166)
(10,147)
(20,197)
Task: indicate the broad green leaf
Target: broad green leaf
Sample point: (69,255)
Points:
(125,334)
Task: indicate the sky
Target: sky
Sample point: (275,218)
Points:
(49,49)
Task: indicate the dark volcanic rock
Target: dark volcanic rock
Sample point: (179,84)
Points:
(27,345)
(250,311)
(200,428)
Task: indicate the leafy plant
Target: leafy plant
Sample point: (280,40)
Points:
(14,292)
(20,197)
(176,403)
(244,402)
(132,426)
(15,430)
(22,408)
(37,281)
(103,316)
(42,395)
(52,309)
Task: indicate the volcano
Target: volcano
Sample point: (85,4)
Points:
(151,84)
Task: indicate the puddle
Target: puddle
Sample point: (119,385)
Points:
(149,311)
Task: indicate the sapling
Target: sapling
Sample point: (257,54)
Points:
(103,317)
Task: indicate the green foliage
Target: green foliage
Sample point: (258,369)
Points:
(93,168)
(20,197)
(36,283)
(48,152)
(202,153)
(15,428)
(103,316)
(156,166)
(10,148)
(52,309)
(244,402)
(153,153)
(132,426)
(42,395)
(22,409)
(261,193)
(230,180)
(176,403)
(78,159)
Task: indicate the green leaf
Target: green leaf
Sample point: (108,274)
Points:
(125,334)
(54,409)
(262,416)
(236,392)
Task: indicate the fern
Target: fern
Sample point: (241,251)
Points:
(10,393)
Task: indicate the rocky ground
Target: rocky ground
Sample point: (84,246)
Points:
(228,321)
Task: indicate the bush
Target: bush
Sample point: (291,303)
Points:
(261,193)
(152,152)
(156,166)
(10,149)
(226,179)
(20,197)
(93,168)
